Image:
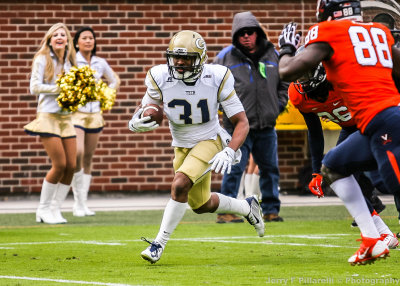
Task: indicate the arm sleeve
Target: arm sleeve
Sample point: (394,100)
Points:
(227,96)
(111,77)
(232,105)
(37,78)
(148,100)
(315,140)
(153,90)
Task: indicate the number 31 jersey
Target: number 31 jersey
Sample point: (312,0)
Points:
(360,68)
(192,111)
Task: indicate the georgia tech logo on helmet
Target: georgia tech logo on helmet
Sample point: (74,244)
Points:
(200,43)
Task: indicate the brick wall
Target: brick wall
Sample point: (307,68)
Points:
(132,36)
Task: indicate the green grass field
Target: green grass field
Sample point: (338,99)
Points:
(310,248)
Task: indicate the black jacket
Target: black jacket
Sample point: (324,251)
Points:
(263,98)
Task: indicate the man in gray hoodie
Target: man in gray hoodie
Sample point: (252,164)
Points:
(253,61)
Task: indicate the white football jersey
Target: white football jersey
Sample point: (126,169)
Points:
(192,111)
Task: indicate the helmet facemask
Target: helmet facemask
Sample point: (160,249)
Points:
(186,73)
(188,47)
(314,84)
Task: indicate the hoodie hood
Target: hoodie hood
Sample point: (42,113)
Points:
(245,20)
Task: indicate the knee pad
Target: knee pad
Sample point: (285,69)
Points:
(329,175)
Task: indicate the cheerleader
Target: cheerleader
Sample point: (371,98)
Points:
(88,120)
(53,124)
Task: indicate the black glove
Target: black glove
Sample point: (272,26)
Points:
(289,40)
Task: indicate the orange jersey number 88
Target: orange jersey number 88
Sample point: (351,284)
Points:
(368,50)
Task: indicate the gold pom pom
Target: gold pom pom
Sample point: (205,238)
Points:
(79,86)
(106,95)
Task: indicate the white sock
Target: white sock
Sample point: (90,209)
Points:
(256,185)
(247,184)
(348,190)
(380,225)
(232,205)
(173,214)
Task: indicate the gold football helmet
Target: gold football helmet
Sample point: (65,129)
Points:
(191,48)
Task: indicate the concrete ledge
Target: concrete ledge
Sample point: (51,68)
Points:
(154,202)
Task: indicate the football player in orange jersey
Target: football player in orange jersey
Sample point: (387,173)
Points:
(314,97)
(359,59)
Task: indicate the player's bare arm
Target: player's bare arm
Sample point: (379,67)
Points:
(292,68)
(241,123)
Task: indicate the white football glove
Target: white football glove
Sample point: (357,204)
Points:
(137,124)
(222,161)
(289,40)
(225,139)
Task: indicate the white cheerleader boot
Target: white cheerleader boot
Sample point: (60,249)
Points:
(77,182)
(84,191)
(59,197)
(44,213)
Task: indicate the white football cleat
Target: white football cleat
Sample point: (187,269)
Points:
(391,240)
(153,252)
(255,216)
(370,250)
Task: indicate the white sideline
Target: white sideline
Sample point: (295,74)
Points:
(64,281)
(267,242)
(63,242)
(227,239)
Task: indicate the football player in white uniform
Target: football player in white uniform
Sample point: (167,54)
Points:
(191,91)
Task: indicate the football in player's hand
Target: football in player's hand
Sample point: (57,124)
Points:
(154,111)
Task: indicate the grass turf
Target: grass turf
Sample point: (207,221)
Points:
(311,247)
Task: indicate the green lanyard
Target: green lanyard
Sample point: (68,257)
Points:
(261,69)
